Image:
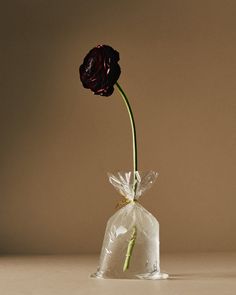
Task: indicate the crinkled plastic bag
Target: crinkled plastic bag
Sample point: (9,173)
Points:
(131,243)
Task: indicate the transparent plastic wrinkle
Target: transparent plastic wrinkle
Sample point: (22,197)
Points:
(145,260)
(124,182)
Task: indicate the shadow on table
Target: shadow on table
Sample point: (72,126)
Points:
(202,276)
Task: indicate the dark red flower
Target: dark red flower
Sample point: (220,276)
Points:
(100,70)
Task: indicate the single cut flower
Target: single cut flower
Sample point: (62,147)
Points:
(100,70)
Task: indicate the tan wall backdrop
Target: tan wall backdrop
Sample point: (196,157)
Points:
(58,140)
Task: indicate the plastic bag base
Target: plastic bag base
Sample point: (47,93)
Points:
(146,276)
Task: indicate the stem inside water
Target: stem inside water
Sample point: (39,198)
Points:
(130,248)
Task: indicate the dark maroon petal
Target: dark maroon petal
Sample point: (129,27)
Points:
(100,70)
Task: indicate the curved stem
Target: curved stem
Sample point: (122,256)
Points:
(131,116)
(135,168)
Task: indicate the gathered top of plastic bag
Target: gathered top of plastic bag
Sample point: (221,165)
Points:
(124,182)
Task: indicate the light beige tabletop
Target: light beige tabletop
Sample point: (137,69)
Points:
(202,274)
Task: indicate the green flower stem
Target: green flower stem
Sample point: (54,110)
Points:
(131,116)
(130,248)
(135,168)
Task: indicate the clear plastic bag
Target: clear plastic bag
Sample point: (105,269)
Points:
(131,243)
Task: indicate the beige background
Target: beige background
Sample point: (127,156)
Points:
(58,140)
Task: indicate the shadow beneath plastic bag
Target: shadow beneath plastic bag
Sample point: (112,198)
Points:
(202,276)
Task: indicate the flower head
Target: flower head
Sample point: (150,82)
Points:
(100,70)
